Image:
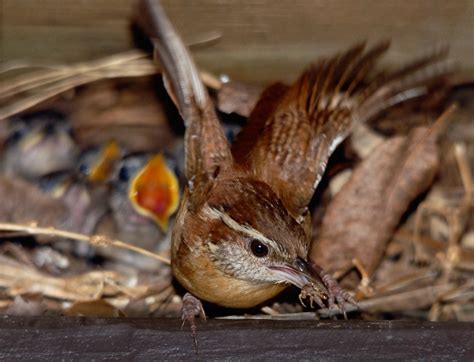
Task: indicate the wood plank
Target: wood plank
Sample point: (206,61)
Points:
(57,338)
(261,39)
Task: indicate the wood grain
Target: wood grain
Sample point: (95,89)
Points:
(42,338)
(262,40)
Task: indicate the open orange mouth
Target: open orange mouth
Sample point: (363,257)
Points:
(103,167)
(154,192)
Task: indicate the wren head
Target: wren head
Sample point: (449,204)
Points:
(248,235)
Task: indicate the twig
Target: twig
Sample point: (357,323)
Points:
(418,298)
(210,80)
(95,240)
(29,81)
(269,310)
(462,161)
(364,284)
(51,82)
(14,65)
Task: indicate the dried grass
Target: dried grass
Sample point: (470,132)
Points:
(432,279)
(24,91)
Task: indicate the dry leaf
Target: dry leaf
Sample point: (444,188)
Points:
(236,97)
(94,308)
(126,111)
(363,215)
(364,140)
(20,279)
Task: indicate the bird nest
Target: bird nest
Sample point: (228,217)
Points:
(410,255)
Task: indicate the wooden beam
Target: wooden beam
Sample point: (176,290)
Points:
(57,338)
(261,40)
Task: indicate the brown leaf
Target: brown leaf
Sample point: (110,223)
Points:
(20,279)
(95,308)
(236,97)
(126,111)
(363,215)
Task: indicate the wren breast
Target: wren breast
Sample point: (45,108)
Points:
(208,283)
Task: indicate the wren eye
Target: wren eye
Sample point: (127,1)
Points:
(258,248)
(84,169)
(124,174)
(17,135)
(49,129)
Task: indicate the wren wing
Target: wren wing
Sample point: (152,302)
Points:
(288,144)
(205,142)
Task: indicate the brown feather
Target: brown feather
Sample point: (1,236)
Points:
(266,105)
(205,142)
(288,144)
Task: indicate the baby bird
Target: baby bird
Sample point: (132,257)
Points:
(38,144)
(144,195)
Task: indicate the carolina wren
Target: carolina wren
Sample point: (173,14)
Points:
(242,230)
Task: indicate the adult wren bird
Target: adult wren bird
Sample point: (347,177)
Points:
(242,230)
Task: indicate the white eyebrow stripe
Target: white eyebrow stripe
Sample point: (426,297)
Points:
(214,213)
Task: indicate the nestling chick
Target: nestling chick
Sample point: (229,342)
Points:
(39,144)
(145,194)
(85,207)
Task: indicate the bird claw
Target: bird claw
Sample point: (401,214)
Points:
(336,296)
(192,307)
(336,293)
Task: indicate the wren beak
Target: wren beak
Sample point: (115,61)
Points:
(31,140)
(102,169)
(299,274)
(55,184)
(154,192)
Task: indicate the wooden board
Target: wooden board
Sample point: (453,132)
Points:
(43,338)
(261,40)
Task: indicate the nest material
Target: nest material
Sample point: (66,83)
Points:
(426,272)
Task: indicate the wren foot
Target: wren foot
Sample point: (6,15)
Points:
(192,307)
(335,292)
